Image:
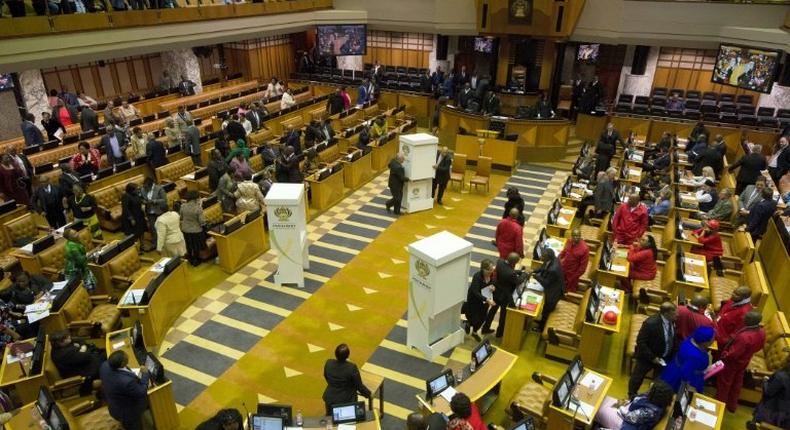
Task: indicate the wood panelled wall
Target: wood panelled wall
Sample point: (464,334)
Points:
(691,69)
(263,58)
(110,78)
(399,49)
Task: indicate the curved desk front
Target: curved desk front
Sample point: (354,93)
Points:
(536,139)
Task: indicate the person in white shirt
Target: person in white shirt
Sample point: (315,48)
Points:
(128,112)
(270,88)
(245,123)
(279,88)
(86,100)
(287,100)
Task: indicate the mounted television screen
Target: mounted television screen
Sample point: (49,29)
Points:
(484,45)
(743,67)
(6,83)
(588,52)
(342,39)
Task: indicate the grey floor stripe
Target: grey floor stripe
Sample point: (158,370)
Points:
(358,231)
(342,241)
(406,364)
(275,298)
(187,389)
(227,335)
(378,222)
(201,359)
(250,315)
(330,254)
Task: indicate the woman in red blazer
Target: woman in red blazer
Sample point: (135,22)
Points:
(642,257)
(465,415)
(710,244)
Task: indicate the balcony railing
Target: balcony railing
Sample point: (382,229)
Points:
(107,19)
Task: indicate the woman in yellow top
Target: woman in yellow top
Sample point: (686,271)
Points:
(138,142)
(379,128)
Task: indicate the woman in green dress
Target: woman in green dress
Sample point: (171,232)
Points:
(77,261)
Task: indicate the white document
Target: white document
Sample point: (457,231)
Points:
(346,427)
(118,345)
(36,307)
(567,211)
(448,394)
(705,405)
(585,409)
(11,358)
(132,297)
(694,279)
(591,381)
(37,316)
(617,268)
(190,176)
(488,293)
(27,248)
(136,371)
(695,261)
(57,286)
(59,134)
(703,418)
(562,221)
(159,266)
(574,195)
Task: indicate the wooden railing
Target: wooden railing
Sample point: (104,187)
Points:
(197,10)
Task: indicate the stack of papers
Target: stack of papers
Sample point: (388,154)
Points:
(567,211)
(617,268)
(159,266)
(695,261)
(694,279)
(11,358)
(37,311)
(562,221)
(448,394)
(697,415)
(488,292)
(591,381)
(705,405)
(57,286)
(132,297)
(346,427)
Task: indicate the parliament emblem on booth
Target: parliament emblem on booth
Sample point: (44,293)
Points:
(283,213)
(422,268)
(405,150)
(415,192)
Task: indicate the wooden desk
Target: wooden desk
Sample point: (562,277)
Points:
(171,105)
(773,252)
(695,266)
(357,173)
(590,346)
(241,246)
(28,418)
(485,381)
(590,127)
(719,407)
(564,418)
(327,192)
(687,241)
(12,377)
(517,320)
(383,154)
(502,152)
(564,222)
(634,175)
(375,384)
(320,423)
(172,296)
(619,268)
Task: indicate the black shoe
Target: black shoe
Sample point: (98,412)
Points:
(486,331)
(720,272)
(537,329)
(493,242)
(440,202)
(388,208)
(476,337)
(467,328)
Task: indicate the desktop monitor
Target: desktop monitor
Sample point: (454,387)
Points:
(562,392)
(682,401)
(43,243)
(275,410)
(201,173)
(56,419)
(592,309)
(7,206)
(252,215)
(50,144)
(43,168)
(263,422)
(31,149)
(155,368)
(209,201)
(136,335)
(525,424)
(151,288)
(439,383)
(44,402)
(37,361)
(566,188)
(576,369)
(232,226)
(681,269)
(348,413)
(103,173)
(126,165)
(482,352)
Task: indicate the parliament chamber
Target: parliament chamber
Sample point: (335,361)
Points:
(429,214)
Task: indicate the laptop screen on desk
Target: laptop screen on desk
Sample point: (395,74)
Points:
(438,385)
(346,413)
(261,422)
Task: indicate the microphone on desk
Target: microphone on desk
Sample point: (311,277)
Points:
(247,414)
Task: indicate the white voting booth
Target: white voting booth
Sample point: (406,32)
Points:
(438,271)
(285,209)
(420,152)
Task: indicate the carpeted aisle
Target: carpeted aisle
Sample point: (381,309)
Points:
(358,305)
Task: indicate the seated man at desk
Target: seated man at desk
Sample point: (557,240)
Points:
(126,393)
(490,104)
(642,412)
(73,359)
(630,220)
(722,209)
(343,380)
(543,107)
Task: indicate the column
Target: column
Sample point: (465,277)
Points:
(34,93)
(183,62)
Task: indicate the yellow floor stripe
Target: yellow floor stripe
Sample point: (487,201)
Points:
(367,226)
(489,216)
(328,262)
(377,216)
(352,236)
(395,376)
(486,252)
(214,346)
(337,248)
(264,306)
(402,323)
(534,172)
(399,347)
(315,277)
(394,410)
(243,326)
(179,408)
(302,294)
(479,237)
(187,372)
(485,226)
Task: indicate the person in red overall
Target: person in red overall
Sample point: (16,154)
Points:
(630,220)
(573,260)
(642,257)
(736,354)
(465,415)
(710,244)
(693,316)
(731,314)
(510,235)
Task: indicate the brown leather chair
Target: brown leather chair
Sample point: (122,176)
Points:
(84,313)
(7,261)
(108,202)
(213,215)
(172,172)
(533,400)
(126,267)
(564,326)
(53,259)
(596,233)
(24,228)
(773,356)
(738,249)
(753,276)
(482,175)
(458,170)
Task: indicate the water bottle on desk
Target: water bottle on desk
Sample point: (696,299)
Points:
(472,364)
(299,420)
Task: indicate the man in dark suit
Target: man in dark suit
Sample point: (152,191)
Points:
(48,201)
(88,119)
(114,143)
(426,83)
(543,107)
(51,125)
(749,198)
(334,104)
(490,104)
(465,95)
(73,359)
(395,183)
(255,117)
(507,280)
(597,91)
(235,130)
(293,138)
(462,77)
(606,148)
(287,167)
(751,164)
(125,393)
(32,134)
(343,380)
(654,346)
(576,94)
(708,156)
(268,153)
(761,213)
(192,142)
(327,133)
(156,152)
(779,161)
(552,278)
(186,87)
(154,202)
(444,161)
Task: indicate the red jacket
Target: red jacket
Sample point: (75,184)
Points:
(573,259)
(737,355)
(509,238)
(643,263)
(711,244)
(730,321)
(475,421)
(94,158)
(629,225)
(689,320)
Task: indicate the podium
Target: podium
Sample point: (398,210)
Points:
(439,266)
(420,152)
(285,210)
